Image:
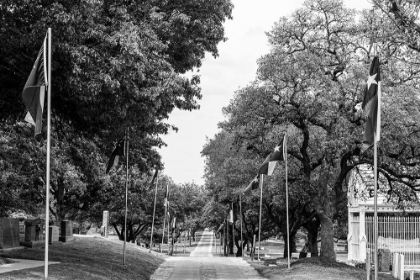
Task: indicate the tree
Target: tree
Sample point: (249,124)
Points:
(308,86)
(116,68)
(21,181)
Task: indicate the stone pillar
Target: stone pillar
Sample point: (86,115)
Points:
(349,237)
(10,233)
(384,260)
(66,231)
(105,224)
(362,236)
(32,232)
(53,235)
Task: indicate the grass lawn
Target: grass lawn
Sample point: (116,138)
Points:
(313,268)
(88,258)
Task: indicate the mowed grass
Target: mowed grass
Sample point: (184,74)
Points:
(313,268)
(88,258)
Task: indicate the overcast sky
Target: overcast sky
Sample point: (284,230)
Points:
(234,68)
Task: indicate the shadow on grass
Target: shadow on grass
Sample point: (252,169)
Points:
(313,268)
(88,258)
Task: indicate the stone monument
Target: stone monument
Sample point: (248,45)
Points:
(66,231)
(53,235)
(32,232)
(105,224)
(9,233)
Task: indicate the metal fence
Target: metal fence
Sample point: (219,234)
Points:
(397,234)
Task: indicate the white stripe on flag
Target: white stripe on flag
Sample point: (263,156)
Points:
(271,166)
(45,60)
(29,119)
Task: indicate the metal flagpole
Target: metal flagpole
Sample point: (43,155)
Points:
(287,201)
(240,212)
(169,224)
(375,207)
(126,197)
(233,232)
(154,211)
(47,191)
(163,230)
(375,164)
(164,217)
(227,238)
(259,227)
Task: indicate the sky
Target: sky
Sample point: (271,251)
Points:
(234,68)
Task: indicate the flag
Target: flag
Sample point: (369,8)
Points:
(270,162)
(115,156)
(174,224)
(33,93)
(155,176)
(252,186)
(166,202)
(231,216)
(371,105)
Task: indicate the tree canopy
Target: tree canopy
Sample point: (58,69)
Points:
(117,66)
(309,86)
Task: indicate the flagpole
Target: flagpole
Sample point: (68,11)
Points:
(233,232)
(154,211)
(287,205)
(126,199)
(375,205)
(163,230)
(47,191)
(227,237)
(259,227)
(169,222)
(240,212)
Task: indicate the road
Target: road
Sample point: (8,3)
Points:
(201,265)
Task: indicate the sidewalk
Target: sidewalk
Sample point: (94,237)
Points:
(19,264)
(202,264)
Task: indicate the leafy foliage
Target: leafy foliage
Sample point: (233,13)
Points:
(308,86)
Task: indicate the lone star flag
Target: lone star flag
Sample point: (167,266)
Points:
(371,105)
(252,186)
(115,156)
(270,162)
(33,94)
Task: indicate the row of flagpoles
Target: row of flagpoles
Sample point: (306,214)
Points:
(371,105)
(267,168)
(39,80)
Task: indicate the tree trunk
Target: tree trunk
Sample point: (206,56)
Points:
(313,242)
(327,236)
(291,243)
(312,228)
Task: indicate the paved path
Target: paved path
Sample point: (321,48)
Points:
(201,265)
(19,264)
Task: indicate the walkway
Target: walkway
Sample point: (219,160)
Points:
(19,264)
(201,265)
